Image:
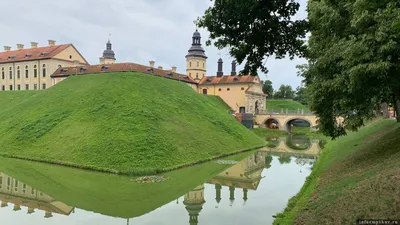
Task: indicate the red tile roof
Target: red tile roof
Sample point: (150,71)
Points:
(29,54)
(120,67)
(228,79)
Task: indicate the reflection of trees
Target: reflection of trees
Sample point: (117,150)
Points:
(284,159)
(268,160)
(298,142)
(304,160)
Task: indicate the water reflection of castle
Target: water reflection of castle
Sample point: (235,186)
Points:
(245,175)
(19,194)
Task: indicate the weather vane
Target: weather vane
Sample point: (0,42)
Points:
(109,35)
(195,23)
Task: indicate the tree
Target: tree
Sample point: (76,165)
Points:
(285,91)
(301,95)
(255,30)
(353,61)
(267,88)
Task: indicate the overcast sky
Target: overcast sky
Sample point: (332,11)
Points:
(141,30)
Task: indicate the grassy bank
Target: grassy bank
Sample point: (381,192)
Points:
(129,123)
(356,176)
(278,104)
(109,194)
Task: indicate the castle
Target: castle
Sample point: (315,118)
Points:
(29,69)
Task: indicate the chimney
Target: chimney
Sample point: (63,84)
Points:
(20,46)
(220,73)
(160,67)
(173,69)
(52,42)
(7,48)
(34,44)
(152,63)
(233,73)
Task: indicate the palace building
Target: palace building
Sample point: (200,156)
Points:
(30,68)
(242,93)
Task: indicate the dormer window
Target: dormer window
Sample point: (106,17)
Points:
(28,55)
(208,80)
(44,53)
(82,69)
(11,57)
(150,70)
(104,68)
(169,74)
(186,77)
(64,70)
(235,79)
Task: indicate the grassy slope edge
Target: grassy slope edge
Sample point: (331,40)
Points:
(278,104)
(356,176)
(129,123)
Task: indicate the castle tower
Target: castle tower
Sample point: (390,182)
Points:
(108,54)
(196,59)
(194,202)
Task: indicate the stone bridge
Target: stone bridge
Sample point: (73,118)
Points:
(314,149)
(284,120)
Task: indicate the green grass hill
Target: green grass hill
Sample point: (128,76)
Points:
(355,177)
(129,123)
(278,104)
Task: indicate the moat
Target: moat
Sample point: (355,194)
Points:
(247,189)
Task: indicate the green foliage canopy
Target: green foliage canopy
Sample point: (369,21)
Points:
(255,30)
(354,60)
(267,87)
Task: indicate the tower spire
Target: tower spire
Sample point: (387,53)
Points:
(108,54)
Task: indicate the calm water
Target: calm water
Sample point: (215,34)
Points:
(248,192)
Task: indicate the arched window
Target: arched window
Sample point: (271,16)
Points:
(26,73)
(2,73)
(34,71)
(197,75)
(44,70)
(190,63)
(11,73)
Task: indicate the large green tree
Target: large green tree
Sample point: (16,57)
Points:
(255,30)
(267,88)
(284,91)
(354,60)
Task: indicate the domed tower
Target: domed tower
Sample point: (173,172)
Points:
(194,202)
(196,59)
(108,54)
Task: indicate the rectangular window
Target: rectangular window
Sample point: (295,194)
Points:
(3,88)
(35,87)
(43,86)
(18,74)
(26,73)
(11,87)
(10,75)
(44,72)
(35,73)
(26,86)
(2,75)
(19,87)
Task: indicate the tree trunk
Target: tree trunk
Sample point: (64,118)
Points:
(384,107)
(397,106)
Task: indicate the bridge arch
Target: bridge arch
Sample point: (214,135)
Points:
(287,124)
(269,123)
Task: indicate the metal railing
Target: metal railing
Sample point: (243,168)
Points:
(286,112)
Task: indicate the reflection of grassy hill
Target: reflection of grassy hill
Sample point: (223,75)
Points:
(120,122)
(108,194)
(278,104)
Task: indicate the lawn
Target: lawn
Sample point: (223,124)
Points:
(109,194)
(356,177)
(130,123)
(279,104)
